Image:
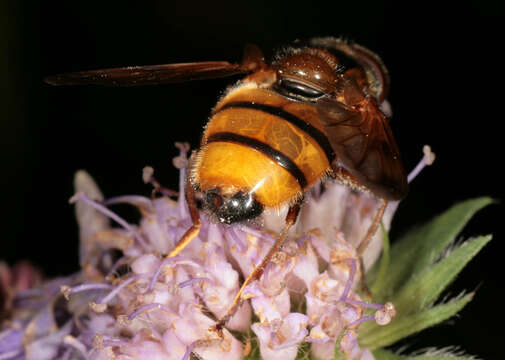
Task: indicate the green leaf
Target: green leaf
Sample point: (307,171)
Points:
(443,354)
(427,285)
(422,246)
(374,336)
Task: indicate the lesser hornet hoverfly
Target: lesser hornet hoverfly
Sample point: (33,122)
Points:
(313,112)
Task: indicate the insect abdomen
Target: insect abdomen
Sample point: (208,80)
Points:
(258,140)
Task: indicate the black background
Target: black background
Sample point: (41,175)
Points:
(447,91)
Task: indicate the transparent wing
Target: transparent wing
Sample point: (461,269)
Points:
(163,74)
(364,144)
(149,75)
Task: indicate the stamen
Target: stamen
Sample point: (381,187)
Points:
(147,174)
(137,200)
(166,261)
(80,196)
(67,290)
(428,159)
(364,304)
(193,281)
(98,308)
(121,261)
(121,286)
(148,307)
(181,162)
(348,284)
(148,178)
(110,341)
(382,317)
(361,320)
(384,312)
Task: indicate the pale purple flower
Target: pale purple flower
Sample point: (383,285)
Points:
(280,338)
(143,305)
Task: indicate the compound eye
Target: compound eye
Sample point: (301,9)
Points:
(298,90)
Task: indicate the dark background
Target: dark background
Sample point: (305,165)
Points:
(447,91)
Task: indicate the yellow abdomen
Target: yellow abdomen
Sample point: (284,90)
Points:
(258,141)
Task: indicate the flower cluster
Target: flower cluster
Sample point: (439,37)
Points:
(129,301)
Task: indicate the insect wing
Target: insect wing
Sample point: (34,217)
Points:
(365,146)
(149,75)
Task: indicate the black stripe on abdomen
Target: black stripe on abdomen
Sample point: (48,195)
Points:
(281,159)
(310,130)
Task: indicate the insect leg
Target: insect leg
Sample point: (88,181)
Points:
(373,227)
(364,244)
(194,230)
(346,178)
(291,217)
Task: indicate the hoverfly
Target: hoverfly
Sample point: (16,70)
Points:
(313,112)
